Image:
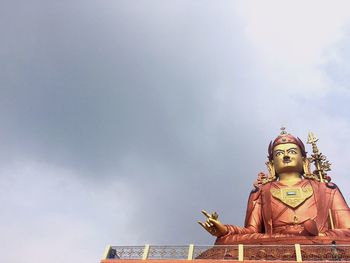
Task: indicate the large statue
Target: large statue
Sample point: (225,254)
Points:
(291,205)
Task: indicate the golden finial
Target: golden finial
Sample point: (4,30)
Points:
(320,160)
(283,130)
(311,138)
(322,166)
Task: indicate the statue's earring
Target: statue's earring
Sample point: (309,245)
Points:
(272,172)
(307,170)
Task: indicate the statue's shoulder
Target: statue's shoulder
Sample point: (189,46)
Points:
(262,182)
(318,184)
(331,185)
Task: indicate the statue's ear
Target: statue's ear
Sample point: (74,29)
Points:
(271,169)
(306,166)
(307,169)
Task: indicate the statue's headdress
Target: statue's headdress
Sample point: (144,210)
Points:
(283,138)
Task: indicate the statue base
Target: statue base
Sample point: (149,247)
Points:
(229,253)
(264,239)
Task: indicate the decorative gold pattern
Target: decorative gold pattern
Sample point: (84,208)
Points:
(126,252)
(325,253)
(320,160)
(230,252)
(168,252)
(292,196)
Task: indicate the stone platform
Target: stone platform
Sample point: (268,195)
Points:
(229,254)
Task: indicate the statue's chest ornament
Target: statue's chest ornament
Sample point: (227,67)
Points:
(292,196)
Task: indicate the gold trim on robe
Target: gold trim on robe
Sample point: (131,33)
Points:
(291,195)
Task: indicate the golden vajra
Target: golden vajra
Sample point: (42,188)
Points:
(320,160)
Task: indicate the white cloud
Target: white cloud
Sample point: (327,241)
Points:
(52,214)
(153,102)
(291,39)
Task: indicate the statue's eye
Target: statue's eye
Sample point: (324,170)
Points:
(278,153)
(292,151)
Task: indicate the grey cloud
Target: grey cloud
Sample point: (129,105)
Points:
(81,92)
(158,110)
(133,93)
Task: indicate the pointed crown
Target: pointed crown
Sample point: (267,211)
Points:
(283,138)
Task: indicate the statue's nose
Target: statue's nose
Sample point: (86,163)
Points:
(286,157)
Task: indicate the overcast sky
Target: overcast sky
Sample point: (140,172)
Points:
(123,119)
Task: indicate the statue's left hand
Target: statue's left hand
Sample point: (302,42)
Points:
(213,225)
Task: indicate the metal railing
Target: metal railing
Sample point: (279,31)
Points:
(296,253)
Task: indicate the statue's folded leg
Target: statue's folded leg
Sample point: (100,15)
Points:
(341,236)
(232,239)
(337,233)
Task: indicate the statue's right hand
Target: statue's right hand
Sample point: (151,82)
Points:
(213,225)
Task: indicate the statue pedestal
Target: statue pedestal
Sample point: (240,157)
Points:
(200,261)
(229,253)
(179,261)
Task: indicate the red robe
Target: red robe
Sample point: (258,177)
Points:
(270,220)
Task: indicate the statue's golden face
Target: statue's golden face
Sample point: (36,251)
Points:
(287,158)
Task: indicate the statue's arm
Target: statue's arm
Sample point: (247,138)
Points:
(253,221)
(340,211)
(340,215)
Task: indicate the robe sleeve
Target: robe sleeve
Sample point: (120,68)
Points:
(340,211)
(253,220)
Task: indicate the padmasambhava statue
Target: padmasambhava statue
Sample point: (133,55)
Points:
(291,205)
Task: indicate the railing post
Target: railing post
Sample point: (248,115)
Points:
(190,252)
(298,253)
(106,252)
(145,252)
(240,252)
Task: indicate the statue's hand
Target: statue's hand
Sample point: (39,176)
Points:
(213,225)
